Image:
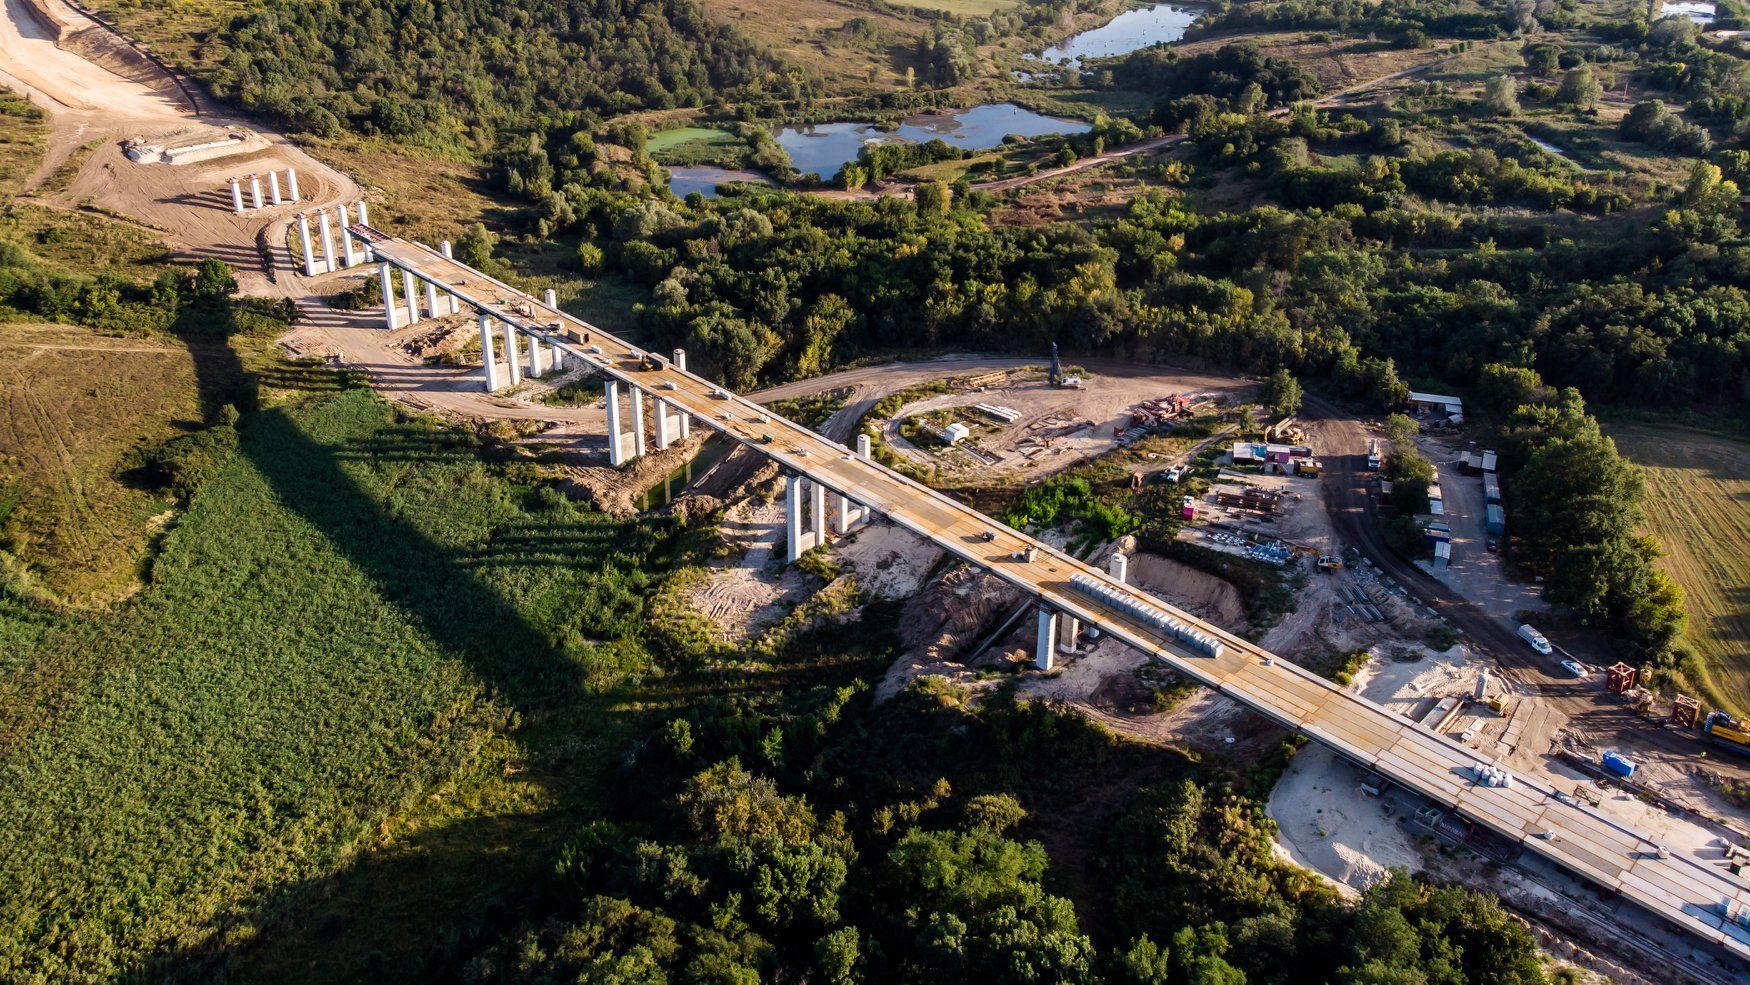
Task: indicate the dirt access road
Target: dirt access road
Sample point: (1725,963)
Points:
(1342,441)
(99,91)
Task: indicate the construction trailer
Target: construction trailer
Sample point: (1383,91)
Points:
(1491,487)
(1495,520)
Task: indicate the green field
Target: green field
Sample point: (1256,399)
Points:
(1699,508)
(667,139)
(348,610)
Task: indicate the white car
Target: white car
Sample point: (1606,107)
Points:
(1575,667)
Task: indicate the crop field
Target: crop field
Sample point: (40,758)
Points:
(1699,507)
(74,408)
(356,608)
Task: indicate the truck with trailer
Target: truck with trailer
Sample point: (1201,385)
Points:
(1535,639)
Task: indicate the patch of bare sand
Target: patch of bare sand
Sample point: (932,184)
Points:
(751,590)
(1324,823)
(890,562)
(940,621)
(1197,592)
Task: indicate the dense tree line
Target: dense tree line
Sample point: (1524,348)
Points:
(816,837)
(437,73)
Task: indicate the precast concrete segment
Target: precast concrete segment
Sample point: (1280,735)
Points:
(1675,885)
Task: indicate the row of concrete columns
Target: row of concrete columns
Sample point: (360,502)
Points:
(626,443)
(352,252)
(274,196)
(1062,631)
(805,510)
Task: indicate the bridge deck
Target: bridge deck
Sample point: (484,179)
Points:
(1685,890)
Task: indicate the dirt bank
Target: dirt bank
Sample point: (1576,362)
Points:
(1197,592)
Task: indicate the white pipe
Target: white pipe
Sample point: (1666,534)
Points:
(237,195)
(304,241)
(292,183)
(255,189)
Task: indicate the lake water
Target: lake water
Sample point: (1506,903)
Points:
(713,450)
(827,147)
(704,179)
(1701,13)
(1128,32)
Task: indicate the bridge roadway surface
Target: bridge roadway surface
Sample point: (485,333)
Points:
(1683,889)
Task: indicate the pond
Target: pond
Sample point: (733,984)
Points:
(827,147)
(1695,10)
(1130,31)
(711,451)
(705,179)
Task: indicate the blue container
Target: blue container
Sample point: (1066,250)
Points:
(1618,765)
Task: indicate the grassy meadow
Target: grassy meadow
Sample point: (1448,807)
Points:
(358,609)
(1699,508)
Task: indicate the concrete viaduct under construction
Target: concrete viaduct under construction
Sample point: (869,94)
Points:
(1702,899)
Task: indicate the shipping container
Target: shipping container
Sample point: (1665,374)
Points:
(1615,763)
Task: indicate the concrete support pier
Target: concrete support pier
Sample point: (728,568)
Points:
(1071,633)
(555,355)
(304,243)
(616,427)
(804,516)
(1119,567)
(386,274)
(431,300)
(292,184)
(680,363)
(347,250)
(510,354)
(327,242)
(1045,640)
(237,196)
(449,253)
(255,189)
(852,513)
(273,187)
(637,421)
(487,356)
(411,288)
